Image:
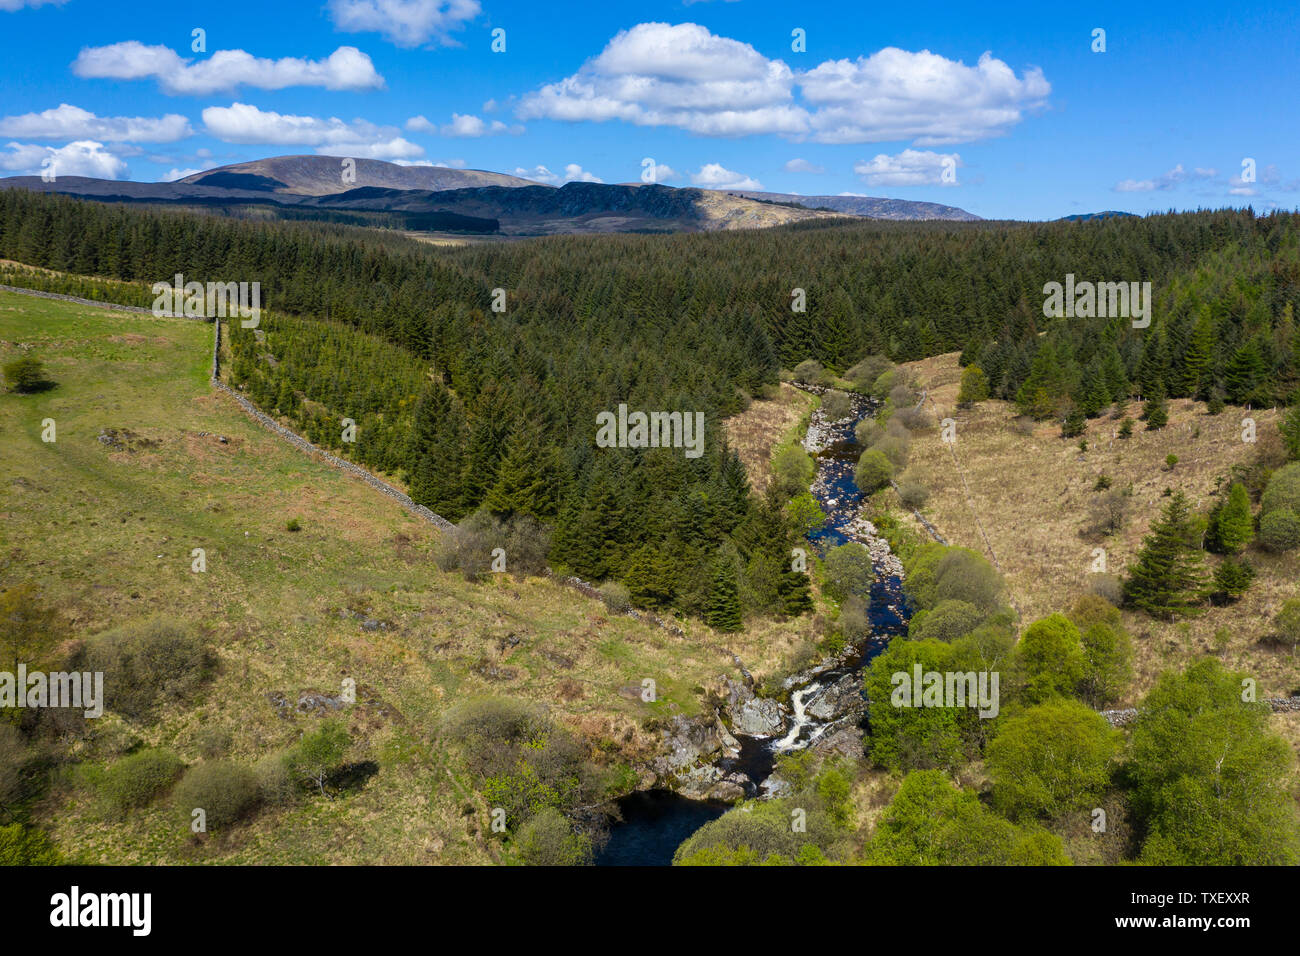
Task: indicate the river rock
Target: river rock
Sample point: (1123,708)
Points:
(844,740)
(711,782)
(758,717)
(687,742)
(839,699)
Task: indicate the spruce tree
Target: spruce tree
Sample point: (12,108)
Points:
(1232,527)
(1167,579)
(722,611)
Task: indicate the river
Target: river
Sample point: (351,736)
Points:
(655,822)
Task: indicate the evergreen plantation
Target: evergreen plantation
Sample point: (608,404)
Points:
(473,408)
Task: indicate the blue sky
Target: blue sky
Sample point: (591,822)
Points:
(1008,113)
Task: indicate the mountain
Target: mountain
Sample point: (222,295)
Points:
(1089,216)
(323,175)
(867,206)
(432,198)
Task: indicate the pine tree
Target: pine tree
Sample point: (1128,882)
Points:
(1196,358)
(796,598)
(528,477)
(722,612)
(1231,525)
(1290,428)
(1167,579)
(1244,374)
(1156,410)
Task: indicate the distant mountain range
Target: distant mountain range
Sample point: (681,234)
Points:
(1087,216)
(437,198)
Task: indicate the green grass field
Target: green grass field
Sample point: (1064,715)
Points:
(107,531)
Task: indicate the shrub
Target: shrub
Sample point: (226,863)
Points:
(26,374)
(319,753)
(134,781)
(1102,483)
(1287,623)
(865,373)
(913,419)
(895,448)
(25,846)
(836,405)
(615,596)
(293,524)
(974,386)
(1279,530)
(792,471)
(468,548)
(873,471)
(938,573)
(946,622)
(147,664)
(1107,662)
(849,571)
(810,372)
(868,432)
(548,840)
(1049,659)
(853,622)
(913,493)
(226,791)
(1108,587)
(1051,760)
(13,757)
(275,780)
(1283,491)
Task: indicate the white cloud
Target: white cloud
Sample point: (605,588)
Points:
(572,173)
(1160,183)
(9,6)
(715,176)
(897,95)
(241,123)
(466,125)
(82,158)
(451,164)
(470,125)
(658,74)
(404,22)
(663,173)
(911,167)
(71,122)
(803,166)
(175,174)
(347,68)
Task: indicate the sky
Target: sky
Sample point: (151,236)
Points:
(1027,111)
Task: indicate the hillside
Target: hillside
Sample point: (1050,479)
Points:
(321,176)
(1039,528)
(867,206)
(148,464)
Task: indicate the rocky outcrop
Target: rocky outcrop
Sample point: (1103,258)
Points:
(841,699)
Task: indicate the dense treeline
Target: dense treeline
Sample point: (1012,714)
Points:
(480,407)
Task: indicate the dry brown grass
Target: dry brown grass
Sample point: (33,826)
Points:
(1029,492)
(758,430)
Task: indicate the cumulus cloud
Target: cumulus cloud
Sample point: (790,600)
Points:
(659,74)
(174,174)
(242,123)
(803,166)
(71,122)
(911,167)
(9,6)
(406,23)
(572,173)
(82,158)
(895,95)
(347,68)
(470,125)
(715,176)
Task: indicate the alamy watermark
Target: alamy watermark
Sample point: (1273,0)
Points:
(79,689)
(651,430)
(923,688)
(1086,300)
(213,300)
